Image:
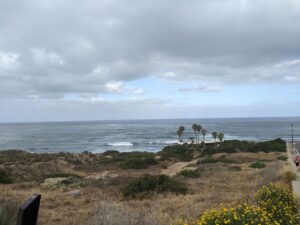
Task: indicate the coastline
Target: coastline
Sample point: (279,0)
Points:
(79,186)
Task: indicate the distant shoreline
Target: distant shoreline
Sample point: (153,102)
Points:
(158,119)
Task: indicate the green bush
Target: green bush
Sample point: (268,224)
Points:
(180,152)
(232,146)
(137,163)
(189,173)
(282,157)
(150,184)
(5,177)
(127,160)
(216,160)
(258,165)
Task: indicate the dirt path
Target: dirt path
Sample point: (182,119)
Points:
(291,155)
(177,167)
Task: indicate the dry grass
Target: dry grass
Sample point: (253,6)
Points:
(101,202)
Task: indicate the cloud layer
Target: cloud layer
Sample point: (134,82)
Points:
(52,48)
(99,49)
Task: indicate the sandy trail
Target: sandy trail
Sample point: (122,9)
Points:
(177,167)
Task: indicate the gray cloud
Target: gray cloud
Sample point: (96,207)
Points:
(53,48)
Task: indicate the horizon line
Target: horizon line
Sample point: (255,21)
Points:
(149,119)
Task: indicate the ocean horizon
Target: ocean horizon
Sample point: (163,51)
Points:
(135,135)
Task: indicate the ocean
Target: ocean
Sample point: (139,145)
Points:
(135,135)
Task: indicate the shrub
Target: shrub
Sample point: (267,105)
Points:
(180,152)
(235,168)
(232,146)
(275,206)
(54,175)
(151,184)
(127,160)
(289,176)
(164,166)
(216,160)
(138,163)
(282,157)
(258,165)
(5,177)
(279,203)
(189,173)
(8,211)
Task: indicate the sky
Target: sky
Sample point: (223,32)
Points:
(140,59)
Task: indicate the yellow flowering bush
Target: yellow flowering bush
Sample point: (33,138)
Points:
(279,203)
(275,206)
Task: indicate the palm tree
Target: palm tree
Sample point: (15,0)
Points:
(220,136)
(215,135)
(194,127)
(180,133)
(199,127)
(203,132)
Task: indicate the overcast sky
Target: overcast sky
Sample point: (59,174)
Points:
(140,59)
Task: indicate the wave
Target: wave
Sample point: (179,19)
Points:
(124,143)
(163,142)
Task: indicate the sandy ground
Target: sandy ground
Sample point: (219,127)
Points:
(177,167)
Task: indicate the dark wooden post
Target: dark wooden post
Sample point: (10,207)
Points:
(28,212)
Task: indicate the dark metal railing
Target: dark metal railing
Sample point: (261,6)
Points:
(28,212)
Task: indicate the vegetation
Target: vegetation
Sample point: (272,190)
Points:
(282,157)
(214,135)
(138,163)
(180,133)
(189,173)
(54,175)
(198,128)
(149,184)
(128,160)
(180,152)
(194,127)
(220,136)
(216,160)
(277,145)
(279,203)
(258,165)
(289,177)
(8,211)
(274,206)
(5,177)
(203,132)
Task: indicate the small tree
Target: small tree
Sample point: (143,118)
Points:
(203,132)
(180,133)
(194,127)
(215,135)
(220,137)
(199,127)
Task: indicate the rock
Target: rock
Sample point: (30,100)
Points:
(59,181)
(102,176)
(54,181)
(75,193)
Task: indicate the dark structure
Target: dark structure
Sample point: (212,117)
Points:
(28,212)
